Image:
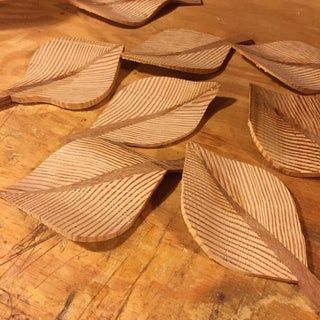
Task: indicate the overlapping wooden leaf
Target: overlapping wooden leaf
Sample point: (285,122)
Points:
(70,73)
(295,63)
(286,130)
(211,184)
(154,111)
(89,190)
(128,12)
(181,49)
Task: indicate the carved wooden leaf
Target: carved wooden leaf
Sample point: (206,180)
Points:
(154,111)
(286,130)
(128,12)
(221,231)
(89,190)
(295,63)
(245,219)
(68,72)
(181,49)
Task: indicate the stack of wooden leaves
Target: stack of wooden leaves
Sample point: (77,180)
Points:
(155,111)
(95,186)
(77,74)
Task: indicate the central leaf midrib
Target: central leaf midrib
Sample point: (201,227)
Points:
(209,45)
(293,123)
(115,174)
(128,122)
(250,220)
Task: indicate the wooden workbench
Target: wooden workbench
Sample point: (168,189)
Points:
(155,270)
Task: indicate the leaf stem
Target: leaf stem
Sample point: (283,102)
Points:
(171,165)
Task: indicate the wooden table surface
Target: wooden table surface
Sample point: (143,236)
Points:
(155,270)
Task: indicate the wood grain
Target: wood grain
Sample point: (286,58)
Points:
(89,190)
(153,112)
(286,130)
(244,218)
(183,50)
(20,10)
(295,63)
(132,13)
(155,270)
(70,73)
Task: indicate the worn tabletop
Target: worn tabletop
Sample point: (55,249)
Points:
(155,270)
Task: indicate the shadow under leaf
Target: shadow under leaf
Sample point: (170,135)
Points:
(166,187)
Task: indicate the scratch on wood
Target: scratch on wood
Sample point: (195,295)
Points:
(129,293)
(244,297)
(181,273)
(66,307)
(7,117)
(27,243)
(37,232)
(23,268)
(8,294)
(218,301)
(56,269)
(27,239)
(39,229)
(92,300)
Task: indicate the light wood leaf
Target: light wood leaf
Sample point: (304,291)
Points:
(286,130)
(68,72)
(90,189)
(218,227)
(244,218)
(154,111)
(295,63)
(183,50)
(132,13)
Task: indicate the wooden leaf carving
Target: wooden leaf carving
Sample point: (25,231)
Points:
(295,63)
(68,72)
(132,13)
(89,190)
(181,49)
(244,218)
(286,130)
(154,111)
